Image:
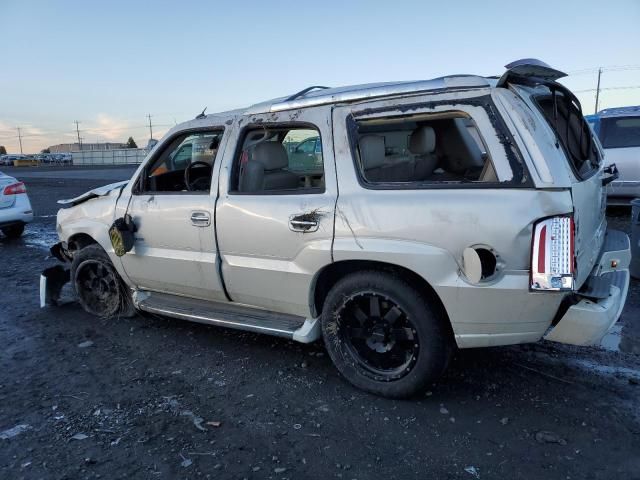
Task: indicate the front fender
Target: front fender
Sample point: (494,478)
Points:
(92,218)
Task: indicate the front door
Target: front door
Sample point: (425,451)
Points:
(173,208)
(275,213)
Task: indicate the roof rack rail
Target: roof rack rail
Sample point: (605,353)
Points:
(305,91)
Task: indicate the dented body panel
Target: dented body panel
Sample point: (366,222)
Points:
(96,192)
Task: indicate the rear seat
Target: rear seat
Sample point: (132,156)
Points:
(422,144)
(380,168)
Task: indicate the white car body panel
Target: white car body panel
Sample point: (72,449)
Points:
(14,209)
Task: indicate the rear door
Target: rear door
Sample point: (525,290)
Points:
(274,213)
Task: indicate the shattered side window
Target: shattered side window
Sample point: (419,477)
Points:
(563,113)
(423,149)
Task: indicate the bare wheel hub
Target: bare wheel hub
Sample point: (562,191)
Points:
(97,286)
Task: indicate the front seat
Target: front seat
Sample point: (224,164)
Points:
(266,169)
(422,144)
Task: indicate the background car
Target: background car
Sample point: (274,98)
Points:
(307,155)
(15,207)
(619,132)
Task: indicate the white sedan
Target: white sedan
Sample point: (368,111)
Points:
(15,207)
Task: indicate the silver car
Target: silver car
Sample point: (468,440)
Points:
(458,212)
(15,208)
(619,132)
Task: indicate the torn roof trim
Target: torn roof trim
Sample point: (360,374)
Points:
(350,93)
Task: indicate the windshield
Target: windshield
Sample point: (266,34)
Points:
(620,132)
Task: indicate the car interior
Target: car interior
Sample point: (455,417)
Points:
(270,161)
(186,165)
(417,149)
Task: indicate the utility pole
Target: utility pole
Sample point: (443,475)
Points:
(598,89)
(78,133)
(150,127)
(20,139)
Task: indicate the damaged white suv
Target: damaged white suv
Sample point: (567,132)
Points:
(396,221)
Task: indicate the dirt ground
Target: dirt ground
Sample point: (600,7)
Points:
(151,397)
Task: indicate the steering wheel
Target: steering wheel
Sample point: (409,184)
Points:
(198,183)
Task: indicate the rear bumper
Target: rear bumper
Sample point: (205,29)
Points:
(19,213)
(598,308)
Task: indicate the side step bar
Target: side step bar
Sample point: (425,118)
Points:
(229,315)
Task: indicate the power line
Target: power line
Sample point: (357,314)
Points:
(630,87)
(610,68)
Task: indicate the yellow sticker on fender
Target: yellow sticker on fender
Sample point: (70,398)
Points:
(116,241)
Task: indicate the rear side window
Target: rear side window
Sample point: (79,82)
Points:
(279,160)
(564,114)
(443,148)
(620,132)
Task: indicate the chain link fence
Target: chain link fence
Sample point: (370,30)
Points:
(120,156)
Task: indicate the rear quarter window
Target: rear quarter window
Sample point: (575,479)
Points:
(428,149)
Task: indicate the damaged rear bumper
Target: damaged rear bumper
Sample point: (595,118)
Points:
(600,304)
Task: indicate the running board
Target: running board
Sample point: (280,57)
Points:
(229,315)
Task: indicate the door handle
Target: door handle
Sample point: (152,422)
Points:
(200,219)
(303,223)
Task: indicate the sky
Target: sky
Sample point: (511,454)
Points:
(109,64)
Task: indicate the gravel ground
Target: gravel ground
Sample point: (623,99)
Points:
(151,397)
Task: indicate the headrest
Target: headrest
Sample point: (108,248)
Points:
(371,151)
(422,141)
(271,155)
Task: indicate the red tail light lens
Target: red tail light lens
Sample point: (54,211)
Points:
(552,256)
(14,189)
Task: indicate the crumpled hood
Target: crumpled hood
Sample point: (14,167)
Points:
(96,192)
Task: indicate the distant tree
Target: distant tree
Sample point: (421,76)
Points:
(3,151)
(45,150)
(131,143)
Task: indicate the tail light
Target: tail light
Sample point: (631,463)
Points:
(553,254)
(14,189)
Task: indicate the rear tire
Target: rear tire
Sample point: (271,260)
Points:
(14,231)
(101,291)
(383,335)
